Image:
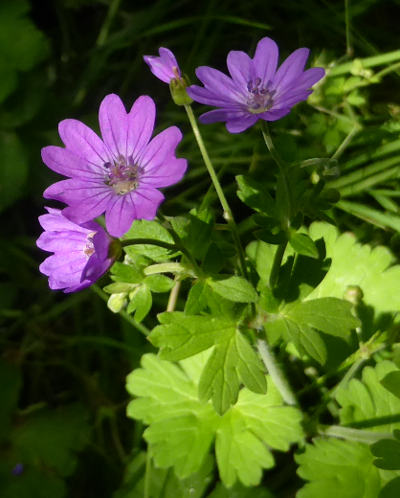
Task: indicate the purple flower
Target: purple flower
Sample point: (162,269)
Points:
(164,67)
(120,174)
(256,89)
(81,252)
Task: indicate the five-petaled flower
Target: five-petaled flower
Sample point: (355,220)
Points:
(256,89)
(164,67)
(81,252)
(119,175)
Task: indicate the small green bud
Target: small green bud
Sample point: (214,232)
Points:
(354,294)
(177,87)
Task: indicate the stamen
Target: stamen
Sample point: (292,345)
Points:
(123,175)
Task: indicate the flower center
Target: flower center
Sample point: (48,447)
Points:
(123,175)
(260,98)
(89,247)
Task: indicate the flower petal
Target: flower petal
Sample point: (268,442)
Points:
(168,173)
(140,126)
(113,121)
(310,77)
(146,201)
(275,114)
(163,67)
(266,59)
(161,146)
(55,222)
(291,68)
(84,142)
(120,214)
(67,163)
(86,200)
(62,241)
(218,82)
(239,125)
(208,97)
(241,68)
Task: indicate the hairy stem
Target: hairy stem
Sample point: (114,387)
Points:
(353,434)
(276,373)
(220,193)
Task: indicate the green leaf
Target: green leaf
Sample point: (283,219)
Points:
(231,361)
(367,404)
(236,289)
(330,315)
(158,283)
(240,491)
(392,382)
(387,452)
(306,340)
(140,302)
(391,490)
(122,272)
(261,255)
(144,229)
(197,298)
(163,483)
(353,264)
(303,244)
(180,336)
(337,468)
(194,230)
(182,429)
(255,195)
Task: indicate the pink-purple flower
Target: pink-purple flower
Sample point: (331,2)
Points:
(119,174)
(257,88)
(81,252)
(164,67)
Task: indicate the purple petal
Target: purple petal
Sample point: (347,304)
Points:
(241,68)
(163,67)
(62,241)
(310,77)
(67,163)
(140,125)
(289,99)
(120,214)
(54,221)
(146,202)
(169,173)
(208,97)
(266,59)
(86,200)
(274,114)
(291,68)
(239,125)
(214,116)
(161,146)
(84,142)
(218,82)
(113,121)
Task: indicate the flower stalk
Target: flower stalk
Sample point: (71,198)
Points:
(220,193)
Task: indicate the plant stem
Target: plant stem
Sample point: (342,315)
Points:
(153,242)
(282,172)
(220,193)
(280,251)
(353,434)
(276,373)
(173,296)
